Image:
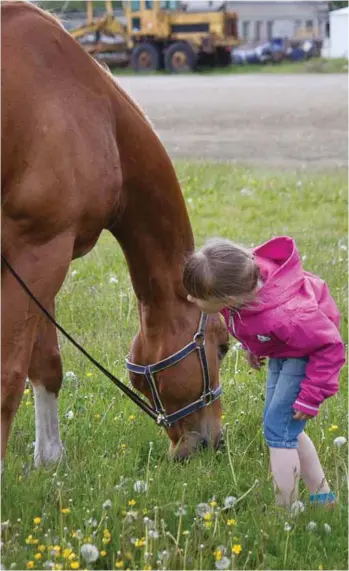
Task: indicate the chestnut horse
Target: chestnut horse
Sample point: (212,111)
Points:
(79,156)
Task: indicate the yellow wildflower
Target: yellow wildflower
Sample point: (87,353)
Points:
(223,416)
(57,549)
(41,548)
(89,374)
(30,564)
(103,553)
(236,549)
(208,524)
(128,555)
(30,540)
(186,532)
(231,522)
(123,446)
(147,568)
(132,502)
(132,417)
(106,533)
(65,510)
(26,392)
(140,542)
(218,555)
(207,516)
(37,556)
(97,415)
(119,564)
(75,565)
(67,552)
(37,520)
(72,556)
(58,566)
(213,503)
(333,427)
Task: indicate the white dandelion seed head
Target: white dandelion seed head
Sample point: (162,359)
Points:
(222,563)
(140,486)
(70,375)
(327,528)
(297,508)
(89,552)
(74,273)
(79,535)
(181,511)
(48,564)
(340,441)
(5,524)
(131,516)
(202,509)
(113,280)
(287,526)
(69,415)
(311,526)
(154,533)
(230,502)
(107,505)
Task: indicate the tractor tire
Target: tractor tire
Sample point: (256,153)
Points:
(180,58)
(145,57)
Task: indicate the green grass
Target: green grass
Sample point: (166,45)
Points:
(316,65)
(108,442)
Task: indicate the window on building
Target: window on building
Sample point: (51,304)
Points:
(246,30)
(148,4)
(258,31)
(309,25)
(270,26)
(135,5)
(297,25)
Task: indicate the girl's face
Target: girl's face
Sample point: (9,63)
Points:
(215,305)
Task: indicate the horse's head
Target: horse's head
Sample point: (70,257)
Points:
(180,383)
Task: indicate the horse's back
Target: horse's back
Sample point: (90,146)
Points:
(57,134)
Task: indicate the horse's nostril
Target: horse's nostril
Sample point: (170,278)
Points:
(204,443)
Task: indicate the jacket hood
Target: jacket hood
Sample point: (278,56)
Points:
(281,272)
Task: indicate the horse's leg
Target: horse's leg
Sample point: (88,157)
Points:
(45,374)
(43,269)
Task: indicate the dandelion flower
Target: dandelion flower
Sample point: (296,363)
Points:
(333,427)
(65,510)
(140,542)
(230,502)
(107,505)
(119,564)
(231,522)
(66,553)
(75,565)
(311,525)
(339,441)
(41,548)
(132,502)
(213,503)
(37,556)
(297,507)
(30,564)
(208,516)
(236,549)
(37,520)
(103,553)
(89,552)
(222,563)
(140,486)
(132,417)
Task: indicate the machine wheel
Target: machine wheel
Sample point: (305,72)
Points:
(180,58)
(145,57)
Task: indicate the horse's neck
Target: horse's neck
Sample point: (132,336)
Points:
(153,227)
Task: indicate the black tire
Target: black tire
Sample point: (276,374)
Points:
(145,57)
(180,58)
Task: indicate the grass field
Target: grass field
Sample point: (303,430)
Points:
(97,493)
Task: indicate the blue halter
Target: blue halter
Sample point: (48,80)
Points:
(208,395)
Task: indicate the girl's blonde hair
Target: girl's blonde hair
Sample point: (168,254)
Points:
(220,269)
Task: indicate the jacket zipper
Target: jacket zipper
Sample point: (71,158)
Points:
(232,325)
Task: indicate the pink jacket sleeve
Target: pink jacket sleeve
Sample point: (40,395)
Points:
(318,336)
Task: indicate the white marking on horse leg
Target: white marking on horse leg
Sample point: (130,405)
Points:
(48,445)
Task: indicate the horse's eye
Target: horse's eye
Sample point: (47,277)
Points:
(223,350)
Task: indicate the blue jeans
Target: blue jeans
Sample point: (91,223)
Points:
(283,386)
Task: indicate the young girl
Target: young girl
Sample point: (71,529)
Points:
(277,310)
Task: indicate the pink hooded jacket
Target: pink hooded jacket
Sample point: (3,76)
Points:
(294,316)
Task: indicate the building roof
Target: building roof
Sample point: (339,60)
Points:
(340,12)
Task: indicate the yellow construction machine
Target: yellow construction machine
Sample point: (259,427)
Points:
(105,38)
(163,34)
(160,34)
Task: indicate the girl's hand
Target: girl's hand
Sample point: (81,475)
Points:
(301,416)
(254,361)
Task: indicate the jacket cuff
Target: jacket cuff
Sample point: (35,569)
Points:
(306,408)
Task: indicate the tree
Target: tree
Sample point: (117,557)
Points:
(72,5)
(337,4)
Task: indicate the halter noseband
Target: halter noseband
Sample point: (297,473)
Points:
(208,395)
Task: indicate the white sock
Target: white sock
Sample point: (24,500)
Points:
(285,467)
(311,469)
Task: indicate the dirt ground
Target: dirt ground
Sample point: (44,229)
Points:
(292,122)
